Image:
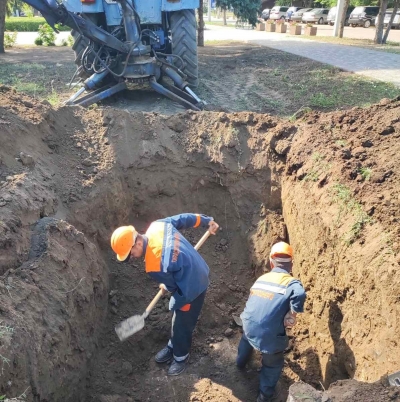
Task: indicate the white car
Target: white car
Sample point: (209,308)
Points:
(396,21)
(278,12)
(318,15)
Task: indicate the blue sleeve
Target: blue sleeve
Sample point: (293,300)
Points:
(298,297)
(186,221)
(166,278)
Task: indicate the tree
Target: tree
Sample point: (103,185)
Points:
(245,10)
(379,25)
(200,28)
(343,18)
(395,8)
(3,9)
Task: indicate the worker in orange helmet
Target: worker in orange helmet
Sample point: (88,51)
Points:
(173,262)
(275,299)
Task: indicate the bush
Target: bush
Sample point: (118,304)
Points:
(70,40)
(64,42)
(38,42)
(10,39)
(24,24)
(47,35)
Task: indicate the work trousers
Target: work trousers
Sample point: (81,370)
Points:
(272,365)
(183,324)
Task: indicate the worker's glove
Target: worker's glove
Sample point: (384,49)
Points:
(163,288)
(290,319)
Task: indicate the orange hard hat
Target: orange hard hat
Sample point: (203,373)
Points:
(281,249)
(122,241)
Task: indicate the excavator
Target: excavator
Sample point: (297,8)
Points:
(125,44)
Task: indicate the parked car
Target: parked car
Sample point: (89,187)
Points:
(363,16)
(332,15)
(290,12)
(319,15)
(265,14)
(298,15)
(278,12)
(396,21)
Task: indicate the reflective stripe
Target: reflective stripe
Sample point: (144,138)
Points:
(280,259)
(167,248)
(181,359)
(269,288)
(170,344)
(198,221)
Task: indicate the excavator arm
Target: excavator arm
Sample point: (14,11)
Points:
(55,13)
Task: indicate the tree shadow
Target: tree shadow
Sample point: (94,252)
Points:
(341,364)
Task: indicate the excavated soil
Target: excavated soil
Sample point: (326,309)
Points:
(327,182)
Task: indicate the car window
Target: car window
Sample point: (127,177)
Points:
(284,8)
(325,12)
(358,10)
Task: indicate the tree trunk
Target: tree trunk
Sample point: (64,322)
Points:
(3,8)
(200,28)
(224,16)
(389,27)
(343,18)
(379,25)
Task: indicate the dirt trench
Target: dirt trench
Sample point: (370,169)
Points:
(83,173)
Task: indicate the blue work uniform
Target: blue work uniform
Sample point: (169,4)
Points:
(272,296)
(170,259)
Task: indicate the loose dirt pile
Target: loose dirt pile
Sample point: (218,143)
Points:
(326,182)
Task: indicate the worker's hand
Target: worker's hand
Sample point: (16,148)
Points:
(163,288)
(290,319)
(213,227)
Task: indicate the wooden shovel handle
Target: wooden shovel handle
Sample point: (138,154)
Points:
(202,240)
(160,293)
(153,302)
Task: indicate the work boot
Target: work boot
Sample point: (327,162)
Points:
(263,398)
(164,355)
(177,368)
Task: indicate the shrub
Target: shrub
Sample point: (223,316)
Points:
(70,40)
(47,35)
(10,39)
(26,24)
(64,42)
(38,41)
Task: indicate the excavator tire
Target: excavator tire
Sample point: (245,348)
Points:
(80,44)
(184,44)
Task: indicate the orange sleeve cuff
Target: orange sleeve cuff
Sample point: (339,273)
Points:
(198,221)
(186,307)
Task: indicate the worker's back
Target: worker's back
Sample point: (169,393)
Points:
(271,297)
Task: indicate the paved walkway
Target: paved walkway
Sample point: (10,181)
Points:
(374,64)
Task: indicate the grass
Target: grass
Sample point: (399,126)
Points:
(390,47)
(346,90)
(230,24)
(365,173)
(41,80)
(343,196)
(320,166)
(5,330)
(233,75)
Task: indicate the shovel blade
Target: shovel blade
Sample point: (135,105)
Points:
(129,326)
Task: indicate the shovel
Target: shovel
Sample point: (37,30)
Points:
(135,323)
